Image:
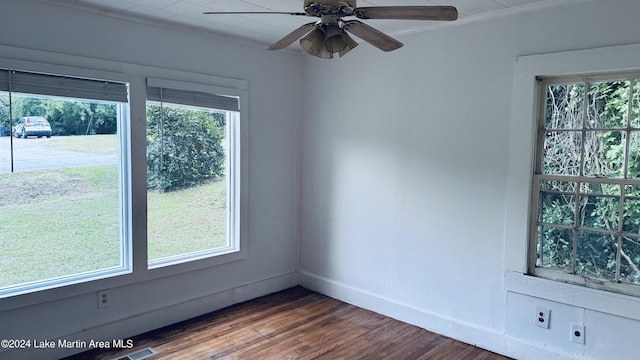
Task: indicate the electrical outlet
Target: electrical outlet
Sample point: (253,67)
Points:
(104,298)
(542,317)
(577,333)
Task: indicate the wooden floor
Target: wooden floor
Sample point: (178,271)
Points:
(296,324)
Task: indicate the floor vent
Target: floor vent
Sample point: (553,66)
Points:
(138,355)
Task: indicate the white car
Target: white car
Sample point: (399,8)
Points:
(32,126)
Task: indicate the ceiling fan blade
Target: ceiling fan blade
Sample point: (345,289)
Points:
(293,36)
(374,37)
(446,13)
(254,12)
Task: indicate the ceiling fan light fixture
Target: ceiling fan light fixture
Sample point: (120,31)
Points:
(313,44)
(337,40)
(334,39)
(323,42)
(350,44)
(332,30)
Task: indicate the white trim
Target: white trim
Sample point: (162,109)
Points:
(75,71)
(157,318)
(457,329)
(581,296)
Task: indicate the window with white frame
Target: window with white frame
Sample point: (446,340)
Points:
(192,172)
(585,225)
(63,180)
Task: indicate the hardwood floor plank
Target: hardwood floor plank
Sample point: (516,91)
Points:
(296,324)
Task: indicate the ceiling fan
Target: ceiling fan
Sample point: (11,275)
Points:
(328,36)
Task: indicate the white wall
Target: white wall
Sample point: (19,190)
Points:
(43,33)
(406,177)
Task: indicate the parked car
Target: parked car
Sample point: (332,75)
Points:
(32,126)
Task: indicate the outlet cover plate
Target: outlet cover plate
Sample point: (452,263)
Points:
(542,317)
(104,299)
(577,333)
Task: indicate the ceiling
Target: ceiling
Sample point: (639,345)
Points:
(267,29)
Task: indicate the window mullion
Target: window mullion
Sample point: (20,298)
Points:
(535,248)
(623,190)
(628,131)
(583,131)
(583,138)
(542,131)
(576,225)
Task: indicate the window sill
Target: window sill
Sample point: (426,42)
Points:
(575,295)
(76,289)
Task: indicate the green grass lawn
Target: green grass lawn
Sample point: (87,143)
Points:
(185,221)
(61,222)
(58,222)
(97,144)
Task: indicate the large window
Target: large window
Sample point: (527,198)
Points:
(192,173)
(67,189)
(63,180)
(586,199)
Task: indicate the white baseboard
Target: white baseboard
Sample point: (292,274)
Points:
(141,323)
(454,328)
(473,334)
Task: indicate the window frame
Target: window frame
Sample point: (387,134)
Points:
(520,166)
(234,185)
(538,176)
(124,185)
(191,82)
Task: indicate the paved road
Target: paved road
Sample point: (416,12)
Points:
(33,154)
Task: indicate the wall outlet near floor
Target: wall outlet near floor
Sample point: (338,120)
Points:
(104,298)
(577,333)
(542,317)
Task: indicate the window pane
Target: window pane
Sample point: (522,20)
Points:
(562,153)
(631,215)
(599,212)
(187,165)
(604,153)
(596,255)
(564,107)
(557,202)
(608,104)
(61,209)
(554,247)
(630,260)
(633,166)
(599,206)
